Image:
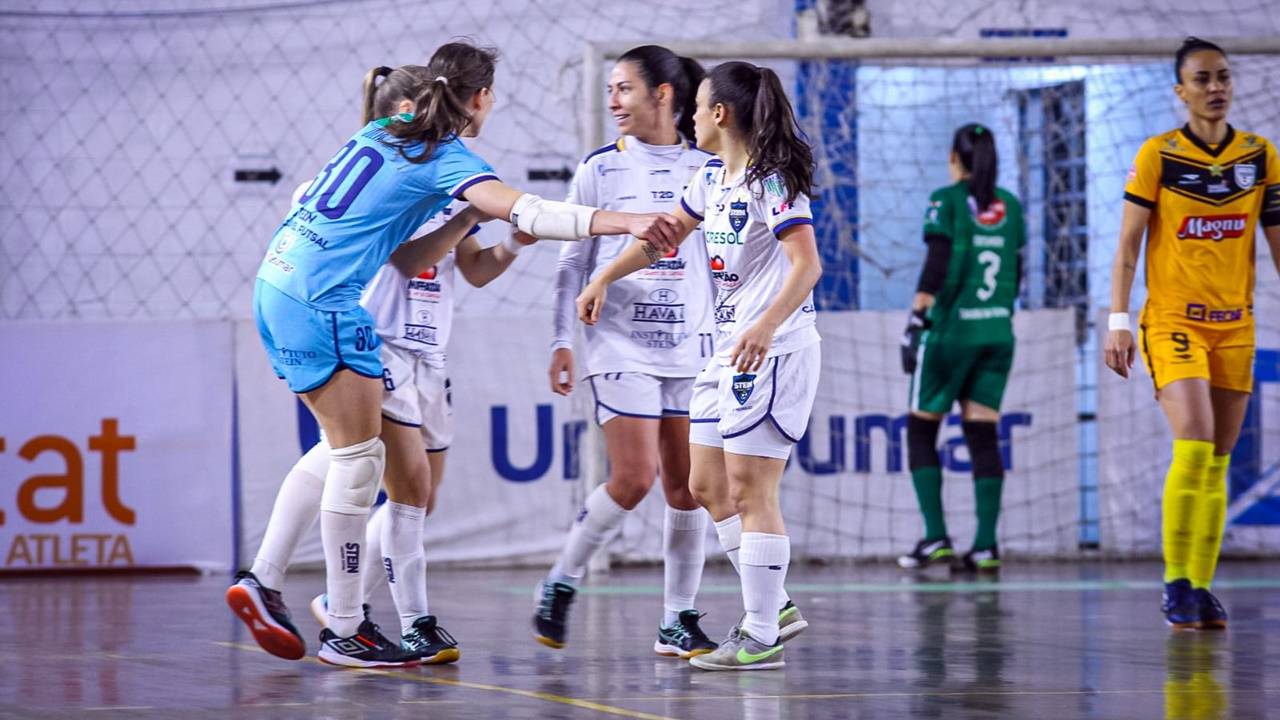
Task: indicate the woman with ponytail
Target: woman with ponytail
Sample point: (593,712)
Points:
(392,176)
(751,402)
(653,337)
(959,342)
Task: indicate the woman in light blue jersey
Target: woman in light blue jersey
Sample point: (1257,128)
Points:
(387,180)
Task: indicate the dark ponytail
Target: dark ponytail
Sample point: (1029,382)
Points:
(975,146)
(380,99)
(767,124)
(455,73)
(658,65)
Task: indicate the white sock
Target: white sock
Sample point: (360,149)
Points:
(684,535)
(730,532)
(296,508)
(596,524)
(374,576)
(765,559)
(343,515)
(405,562)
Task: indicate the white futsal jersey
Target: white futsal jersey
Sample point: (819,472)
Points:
(416,313)
(741,224)
(657,320)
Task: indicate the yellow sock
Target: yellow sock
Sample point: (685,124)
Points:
(1211,512)
(1183,487)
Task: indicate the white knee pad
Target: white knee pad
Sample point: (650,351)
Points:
(316,461)
(351,485)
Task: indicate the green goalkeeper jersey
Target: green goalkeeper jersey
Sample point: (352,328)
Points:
(975,304)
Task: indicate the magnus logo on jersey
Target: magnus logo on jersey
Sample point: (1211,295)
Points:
(738,215)
(743,385)
(726,314)
(1213,227)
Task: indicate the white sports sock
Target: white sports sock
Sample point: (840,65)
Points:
(730,532)
(599,520)
(684,553)
(296,508)
(405,562)
(342,532)
(374,577)
(765,558)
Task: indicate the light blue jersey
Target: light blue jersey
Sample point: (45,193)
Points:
(361,206)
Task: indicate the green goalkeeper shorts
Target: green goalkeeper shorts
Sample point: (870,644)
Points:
(946,372)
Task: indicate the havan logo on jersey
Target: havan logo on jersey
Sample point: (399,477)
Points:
(1213,227)
(665,308)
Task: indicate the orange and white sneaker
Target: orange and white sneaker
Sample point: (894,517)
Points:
(264,611)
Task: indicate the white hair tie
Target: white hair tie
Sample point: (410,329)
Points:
(442,79)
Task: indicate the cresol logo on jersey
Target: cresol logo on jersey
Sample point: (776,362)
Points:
(58,500)
(509,444)
(1213,227)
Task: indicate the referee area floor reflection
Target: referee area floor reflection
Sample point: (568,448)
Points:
(1069,640)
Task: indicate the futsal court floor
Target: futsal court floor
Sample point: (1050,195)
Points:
(1046,641)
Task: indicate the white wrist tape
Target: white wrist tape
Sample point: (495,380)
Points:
(1118,321)
(551,219)
(512,245)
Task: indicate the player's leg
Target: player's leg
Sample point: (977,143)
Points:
(1178,360)
(763,415)
(628,408)
(347,408)
(684,532)
(980,404)
(256,597)
(1231,367)
(436,460)
(934,386)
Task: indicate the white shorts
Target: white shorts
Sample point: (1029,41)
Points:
(639,395)
(417,395)
(763,413)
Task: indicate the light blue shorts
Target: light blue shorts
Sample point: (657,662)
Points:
(307,346)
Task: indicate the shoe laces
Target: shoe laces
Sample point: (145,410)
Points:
(690,628)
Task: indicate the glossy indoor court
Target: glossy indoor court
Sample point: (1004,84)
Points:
(1046,641)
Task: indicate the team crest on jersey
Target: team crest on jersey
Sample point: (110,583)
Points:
(743,385)
(1245,175)
(738,215)
(286,241)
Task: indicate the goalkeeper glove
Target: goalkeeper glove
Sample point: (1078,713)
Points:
(916,325)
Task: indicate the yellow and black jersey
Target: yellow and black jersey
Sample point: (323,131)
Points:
(1206,203)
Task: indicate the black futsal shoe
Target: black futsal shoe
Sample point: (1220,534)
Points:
(429,642)
(264,611)
(983,562)
(1212,616)
(928,552)
(368,648)
(1180,606)
(551,616)
(684,638)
